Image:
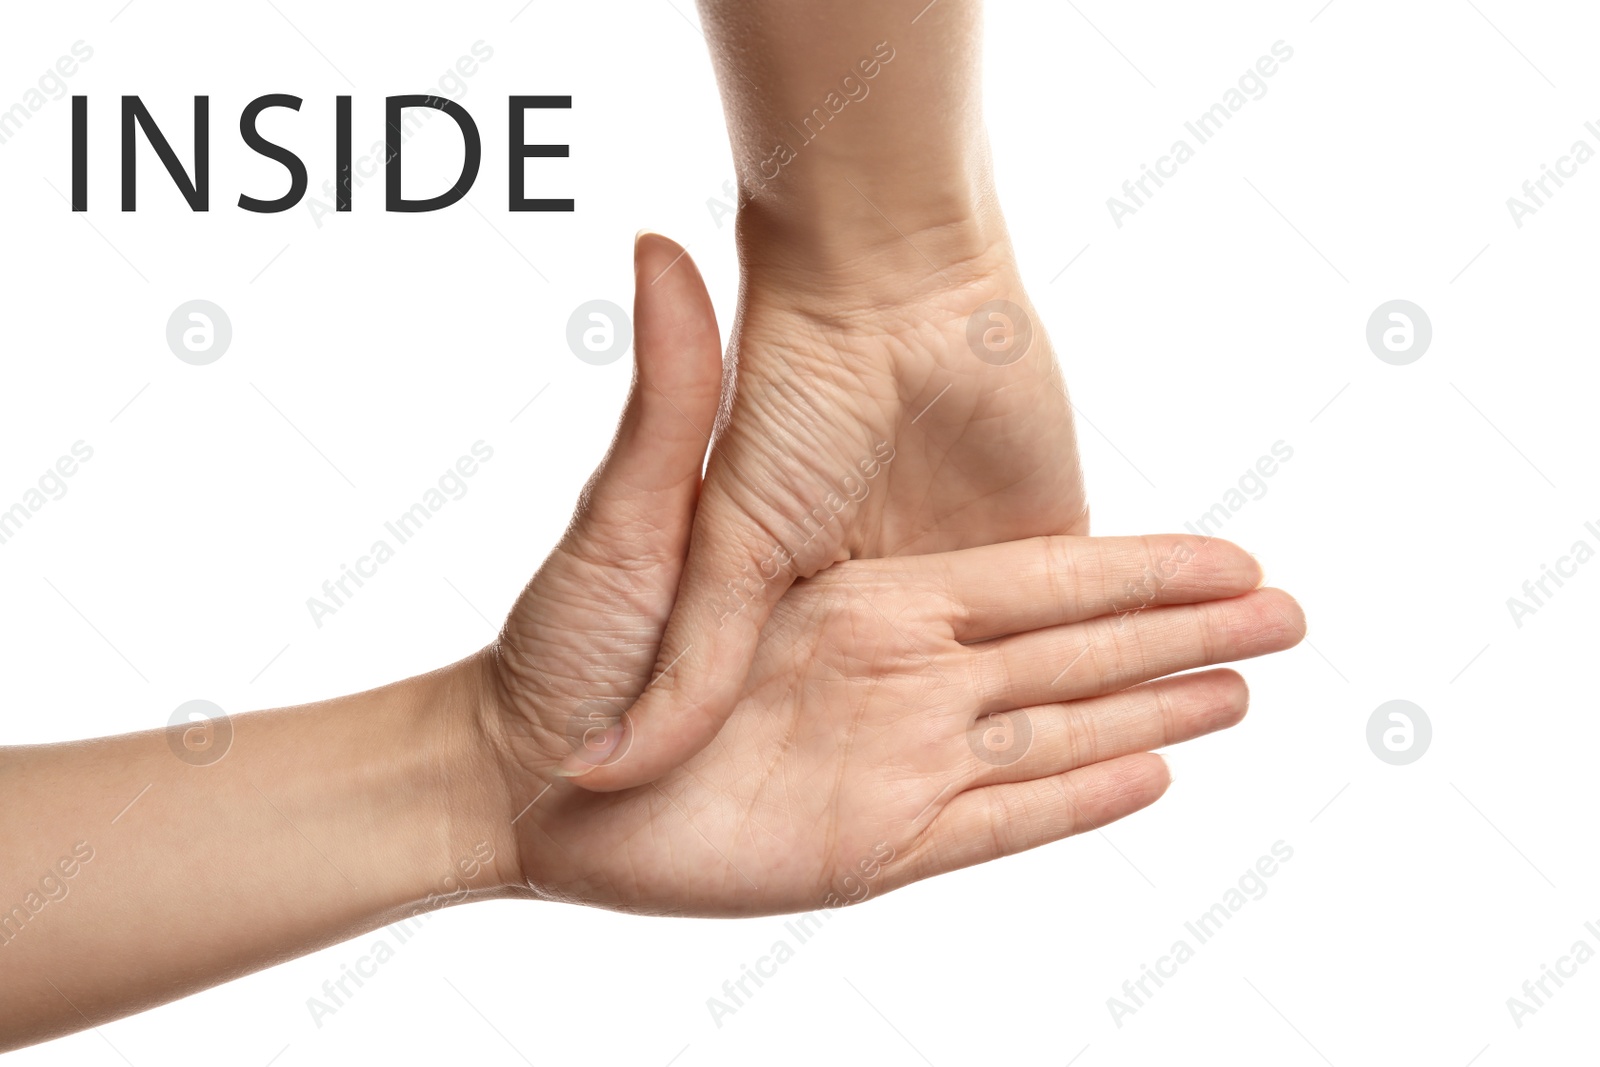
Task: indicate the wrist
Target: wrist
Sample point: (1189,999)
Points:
(873,240)
(444,782)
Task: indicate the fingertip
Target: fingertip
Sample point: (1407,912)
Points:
(1205,701)
(686,704)
(595,749)
(1207,567)
(597,777)
(1237,565)
(1137,781)
(677,349)
(1287,610)
(653,254)
(1168,769)
(1234,694)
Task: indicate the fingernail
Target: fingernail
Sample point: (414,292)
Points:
(1260,570)
(1171,773)
(594,748)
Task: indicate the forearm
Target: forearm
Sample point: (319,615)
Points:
(854,127)
(137,872)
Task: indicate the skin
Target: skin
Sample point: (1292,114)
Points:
(863,755)
(873,252)
(886,716)
(867,702)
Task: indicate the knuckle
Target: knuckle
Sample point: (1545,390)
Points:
(986,672)
(1081,743)
(1167,712)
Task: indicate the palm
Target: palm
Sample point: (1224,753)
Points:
(858,755)
(851,433)
(810,780)
(859,758)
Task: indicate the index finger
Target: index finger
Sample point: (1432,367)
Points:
(1026,585)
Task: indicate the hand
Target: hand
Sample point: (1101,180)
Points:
(855,430)
(908,717)
(903,717)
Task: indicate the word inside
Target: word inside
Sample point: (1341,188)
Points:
(196,187)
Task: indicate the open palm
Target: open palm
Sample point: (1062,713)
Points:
(909,717)
(902,717)
(854,432)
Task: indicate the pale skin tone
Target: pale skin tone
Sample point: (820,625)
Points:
(845,724)
(874,743)
(870,238)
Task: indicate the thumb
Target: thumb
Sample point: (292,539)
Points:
(640,502)
(733,578)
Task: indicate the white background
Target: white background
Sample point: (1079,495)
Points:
(1226,315)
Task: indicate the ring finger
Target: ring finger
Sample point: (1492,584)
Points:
(1035,742)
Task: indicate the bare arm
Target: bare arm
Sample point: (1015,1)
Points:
(145,867)
(850,122)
